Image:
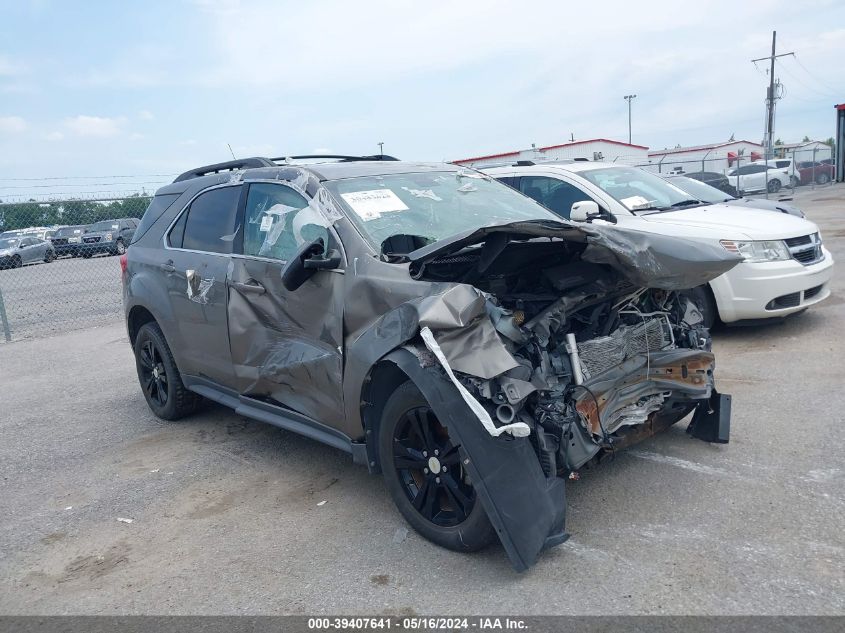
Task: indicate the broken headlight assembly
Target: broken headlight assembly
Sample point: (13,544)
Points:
(759,250)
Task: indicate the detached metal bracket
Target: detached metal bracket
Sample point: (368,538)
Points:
(712,420)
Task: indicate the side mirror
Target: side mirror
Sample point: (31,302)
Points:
(310,258)
(584,211)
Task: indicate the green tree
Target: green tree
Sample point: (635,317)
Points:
(806,139)
(778,142)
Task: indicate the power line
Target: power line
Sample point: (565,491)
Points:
(833,92)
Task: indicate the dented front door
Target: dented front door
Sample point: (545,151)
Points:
(286,346)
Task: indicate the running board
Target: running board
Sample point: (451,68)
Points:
(277,416)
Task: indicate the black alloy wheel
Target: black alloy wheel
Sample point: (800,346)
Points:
(153,373)
(424,474)
(160,381)
(429,466)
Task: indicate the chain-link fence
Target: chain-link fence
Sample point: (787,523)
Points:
(747,172)
(58,261)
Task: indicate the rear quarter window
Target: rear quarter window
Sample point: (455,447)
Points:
(158,205)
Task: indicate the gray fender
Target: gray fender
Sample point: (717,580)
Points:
(526,508)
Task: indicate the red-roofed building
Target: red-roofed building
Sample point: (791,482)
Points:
(592,149)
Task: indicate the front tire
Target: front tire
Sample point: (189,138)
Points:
(702,297)
(50,256)
(160,381)
(119,248)
(822,179)
(774,185)
(442,506)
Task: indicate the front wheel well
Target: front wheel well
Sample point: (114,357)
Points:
(381,382)
(138,317)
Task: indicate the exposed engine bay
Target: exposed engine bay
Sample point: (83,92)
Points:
(595,361)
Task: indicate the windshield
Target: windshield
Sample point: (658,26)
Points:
(700,190)
(69,230)
(434,205)
(105,225)
(637,189)
(8,243)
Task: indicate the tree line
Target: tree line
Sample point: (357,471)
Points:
(21,215)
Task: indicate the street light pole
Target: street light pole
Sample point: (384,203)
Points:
(628,98)
(380,148)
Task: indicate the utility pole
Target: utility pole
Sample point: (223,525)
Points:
(380,148)
(628,98)
(770,96)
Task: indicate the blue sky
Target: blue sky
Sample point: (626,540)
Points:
(121,88)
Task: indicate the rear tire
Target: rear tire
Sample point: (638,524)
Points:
(443,507)
(50,256)
(822,179)
(160,381)
(774,185)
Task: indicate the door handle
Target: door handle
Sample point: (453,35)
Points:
(168,266)
(253,287)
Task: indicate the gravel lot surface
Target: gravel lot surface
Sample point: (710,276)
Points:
(226,516)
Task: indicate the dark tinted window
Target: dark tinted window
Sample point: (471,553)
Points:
(211,221)
(554,194)
(158,206)
(177,232)
(510,181)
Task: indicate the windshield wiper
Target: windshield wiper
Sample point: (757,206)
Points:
(650,210)
(686,203)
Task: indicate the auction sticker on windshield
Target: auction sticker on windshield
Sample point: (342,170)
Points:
(371,204)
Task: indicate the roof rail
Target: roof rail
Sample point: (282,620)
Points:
(229,165)
(341,157)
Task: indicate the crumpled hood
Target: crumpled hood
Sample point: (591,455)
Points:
(649,260)
(754,224)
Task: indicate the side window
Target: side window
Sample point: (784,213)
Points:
(510,181)
(177,232)
(210,222)
(278,221)
(554,194)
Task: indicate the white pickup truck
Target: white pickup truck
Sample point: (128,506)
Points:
(786,269)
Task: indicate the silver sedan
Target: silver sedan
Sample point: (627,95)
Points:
(25,249)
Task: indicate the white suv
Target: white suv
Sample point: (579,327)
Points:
(786,267)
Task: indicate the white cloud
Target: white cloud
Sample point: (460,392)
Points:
(12,125)
(54,136)
(96,126)
(135,136)
(8,67)
(146,115)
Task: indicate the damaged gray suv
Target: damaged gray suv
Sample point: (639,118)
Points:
(442,328)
